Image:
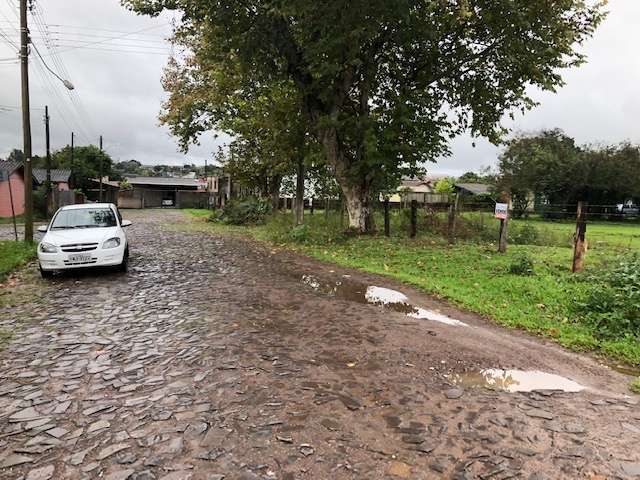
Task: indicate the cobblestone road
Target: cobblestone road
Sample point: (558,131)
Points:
(212,359)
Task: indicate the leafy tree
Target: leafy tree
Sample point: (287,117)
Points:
(551,166)
(264,119)
(129,166)
(385,84)
(473,177)
(444,185)
(85,165)
(15,155)
(544,164)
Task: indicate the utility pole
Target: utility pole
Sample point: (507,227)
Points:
(48,143)
(100,168)
(71,157)
(26,123)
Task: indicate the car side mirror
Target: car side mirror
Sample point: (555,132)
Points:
(125,223)
(43,228)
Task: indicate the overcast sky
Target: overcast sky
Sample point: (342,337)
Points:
(118,93)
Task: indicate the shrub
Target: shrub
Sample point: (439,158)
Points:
(522,265)
(635,386)
(525,234)
(246,211)
(215,216)
(612,303)
(300,233)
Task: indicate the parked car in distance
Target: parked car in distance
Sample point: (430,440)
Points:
(167,202)
(80,236)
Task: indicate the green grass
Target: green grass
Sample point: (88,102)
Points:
(471,275)
(197,212)
(14,254)
(635,386)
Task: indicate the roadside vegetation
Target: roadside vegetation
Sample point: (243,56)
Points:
(531,287)
(14,254)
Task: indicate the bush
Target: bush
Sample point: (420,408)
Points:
(525,234)
(215,216)
(612,304)
(300,233)
(246,211)
(522,265)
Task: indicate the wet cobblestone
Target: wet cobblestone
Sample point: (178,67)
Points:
(210,359)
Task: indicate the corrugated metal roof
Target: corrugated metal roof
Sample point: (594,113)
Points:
(57,175)
(7,168)
(474,188)
(165,181)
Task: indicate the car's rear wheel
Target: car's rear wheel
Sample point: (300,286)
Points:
(46,273)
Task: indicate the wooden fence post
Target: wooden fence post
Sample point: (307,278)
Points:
(453,212)
(386,217)
(579,240)
(414,218)
(502,242)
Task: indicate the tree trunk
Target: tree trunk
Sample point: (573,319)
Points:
(356,191)
(274,188)
(299,211)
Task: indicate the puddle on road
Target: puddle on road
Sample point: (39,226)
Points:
(515,380)
(370,294)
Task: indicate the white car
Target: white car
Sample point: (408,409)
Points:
(80,236)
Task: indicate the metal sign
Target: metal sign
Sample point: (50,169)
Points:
(502,209)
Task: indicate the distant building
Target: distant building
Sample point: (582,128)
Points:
(59,177)
(472,188)
(153,192)
(419,189)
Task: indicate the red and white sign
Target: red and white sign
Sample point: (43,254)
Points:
(502,210)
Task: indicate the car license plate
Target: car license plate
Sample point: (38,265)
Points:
(79,258)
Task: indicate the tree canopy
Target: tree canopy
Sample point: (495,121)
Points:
(384,85)
(550,165)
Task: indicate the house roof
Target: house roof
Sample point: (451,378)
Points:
(57,175)
(165,181)
(7,168)
(474,188)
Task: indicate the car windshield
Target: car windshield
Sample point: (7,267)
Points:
(84,218)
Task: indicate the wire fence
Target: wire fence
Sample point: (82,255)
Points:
(608,228)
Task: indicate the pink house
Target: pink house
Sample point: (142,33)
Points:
(59,177)
(11,188)
(12,185)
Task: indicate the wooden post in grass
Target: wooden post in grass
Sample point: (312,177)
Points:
(502,242)
(451,227)
(579,240)
(414,218)
(386,217)
(502,213)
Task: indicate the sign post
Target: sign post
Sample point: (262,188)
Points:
(502,213)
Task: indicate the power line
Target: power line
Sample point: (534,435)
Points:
(78,109)
(115,38)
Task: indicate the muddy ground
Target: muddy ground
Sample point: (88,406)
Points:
(217,358)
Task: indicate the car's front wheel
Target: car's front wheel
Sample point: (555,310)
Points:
(125,261)
(46,273)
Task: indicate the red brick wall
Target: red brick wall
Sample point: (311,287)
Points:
(17,190)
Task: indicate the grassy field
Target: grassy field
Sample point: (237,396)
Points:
(470,274)
(13,254)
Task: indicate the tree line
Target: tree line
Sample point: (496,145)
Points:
(550,168)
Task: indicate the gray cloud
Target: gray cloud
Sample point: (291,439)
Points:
(121,94)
